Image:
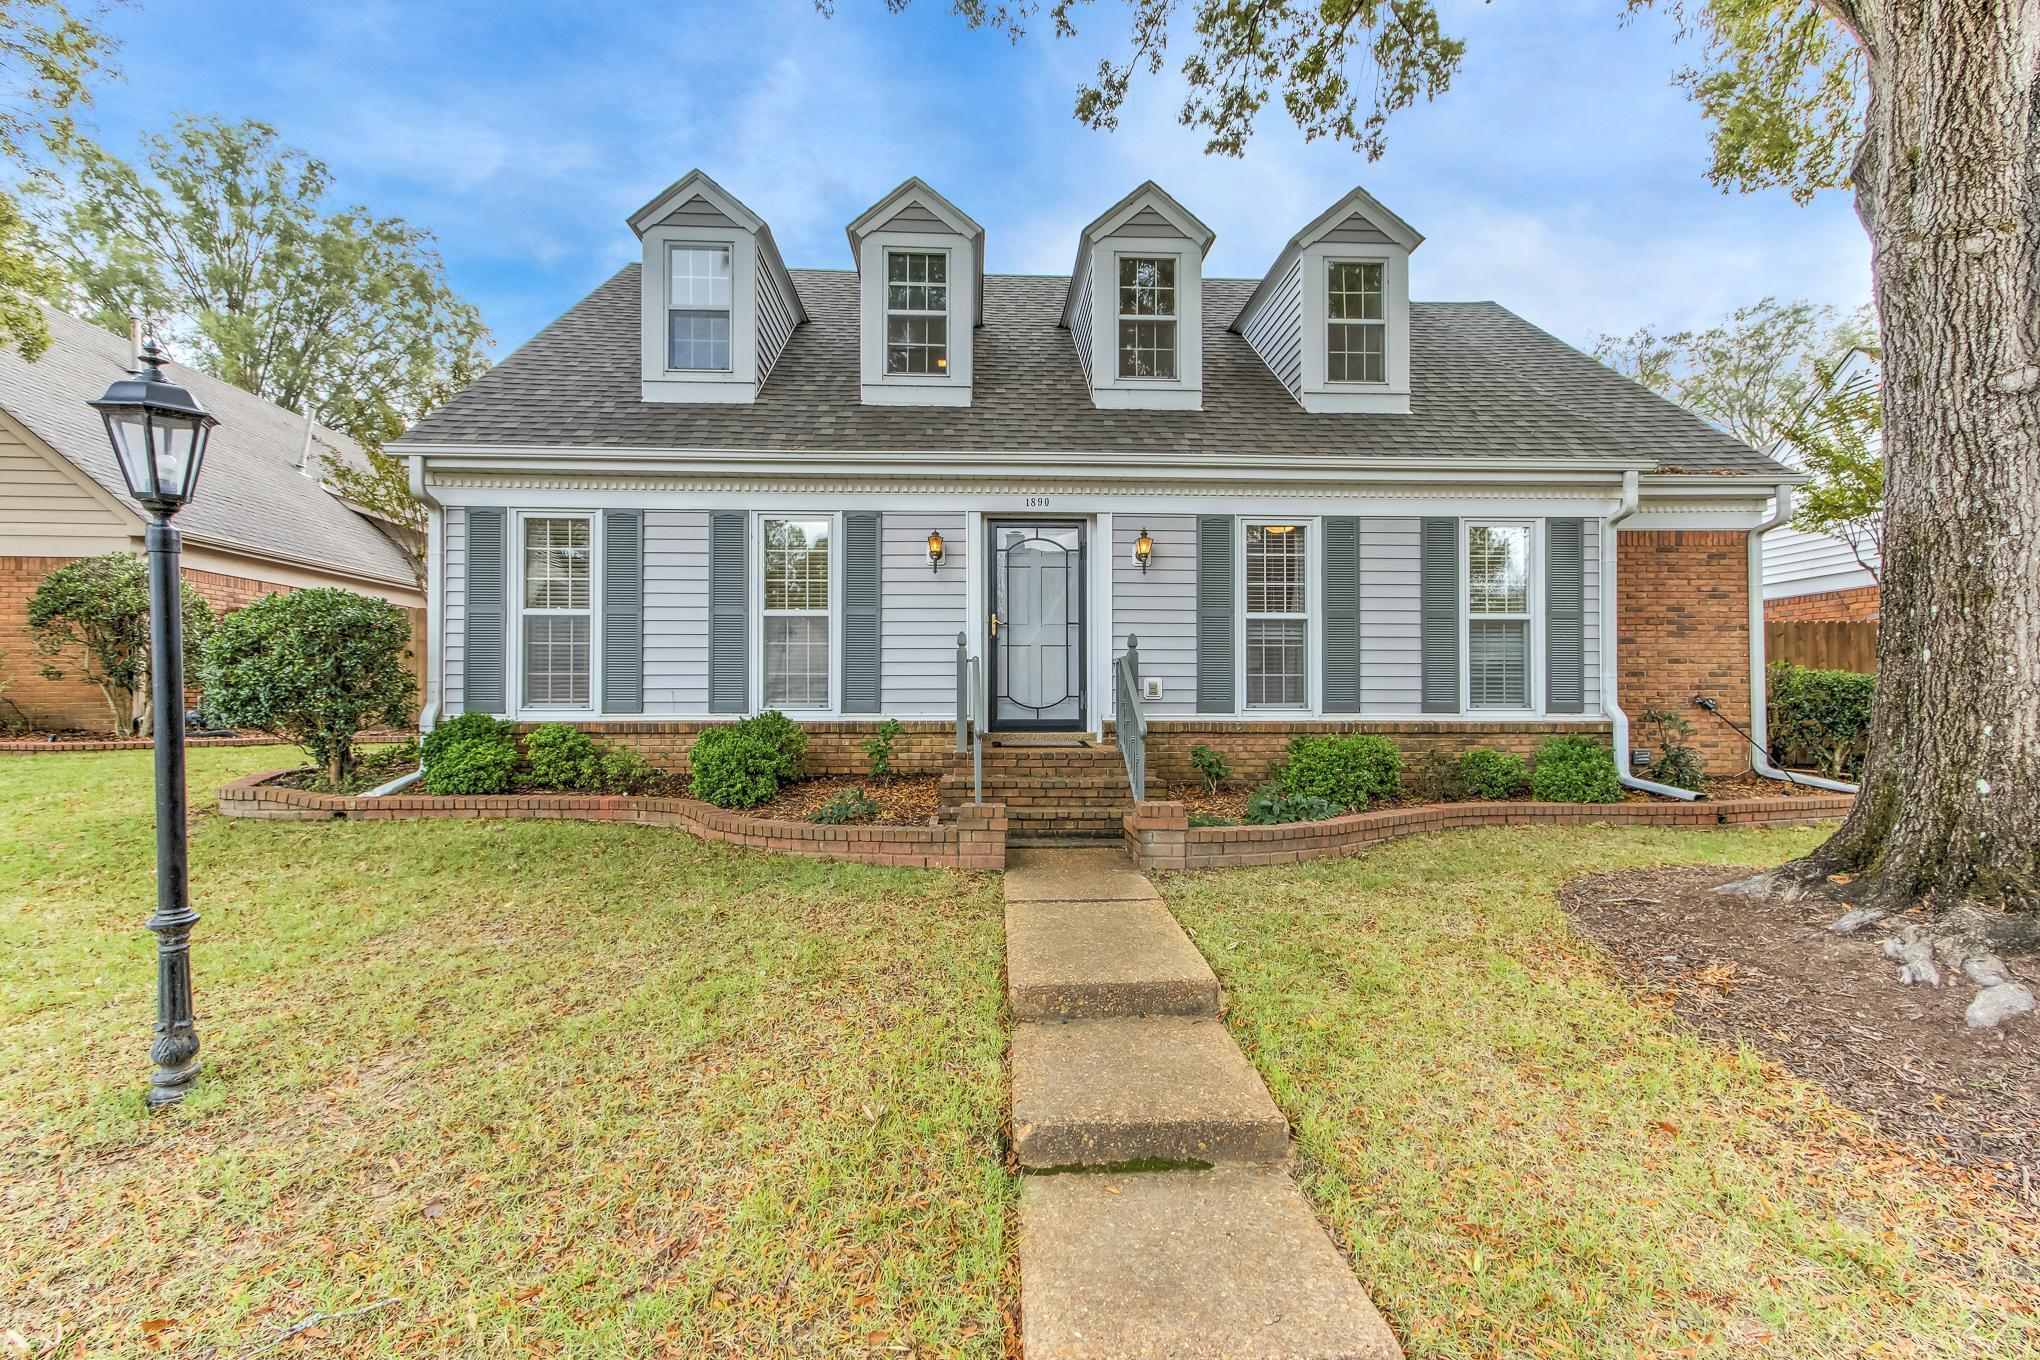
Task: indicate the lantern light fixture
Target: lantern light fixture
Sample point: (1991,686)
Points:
(158,431)
(1143,549)
(935,550)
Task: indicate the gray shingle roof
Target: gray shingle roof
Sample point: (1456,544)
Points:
(1485,383)
(251,498)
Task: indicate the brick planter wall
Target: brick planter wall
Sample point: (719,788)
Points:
(1683,629)
(68,745)
(834,748)
(1255,748)
(976,839)
(1159,835)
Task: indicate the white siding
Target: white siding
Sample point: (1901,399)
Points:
(1080,321)
(775,321)
(696,213)
(676,611)
(1357,230)
(1275,330)
(920,614)
(1591,632)
(453,608)
(1391,598)
(1799,563)
(1160,607)
(912,217)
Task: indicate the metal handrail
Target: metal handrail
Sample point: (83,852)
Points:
(1130,726)
(970,710)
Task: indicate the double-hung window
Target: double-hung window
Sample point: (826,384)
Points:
(1147,318)
(1277,618)
(796,580)
(917,312)
(557,610)
(1498,604)
(1356,324)
(698,307)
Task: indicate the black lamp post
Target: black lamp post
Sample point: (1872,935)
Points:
(159,434)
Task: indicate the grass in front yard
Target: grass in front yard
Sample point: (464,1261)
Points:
(1523,1159)
(553,1088)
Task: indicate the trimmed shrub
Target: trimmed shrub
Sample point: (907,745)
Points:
(1344,771)
(1436,778)
(849,805)
(1575,769)
(734,768)
(1672,761)
(1212,766)
(1271,806)
(315,667)
(878,749)
(1492,774)
(563,757)
(785,738)
(625,771)
(90,619)
(473,753)
(1822,714)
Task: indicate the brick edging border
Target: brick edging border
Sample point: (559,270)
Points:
(67,746)
(1159,835)
(976,839)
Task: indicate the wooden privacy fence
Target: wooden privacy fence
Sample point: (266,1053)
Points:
(1825,644)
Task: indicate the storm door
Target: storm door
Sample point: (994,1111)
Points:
(1036,618)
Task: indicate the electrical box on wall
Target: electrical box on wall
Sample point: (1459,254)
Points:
(1151,687)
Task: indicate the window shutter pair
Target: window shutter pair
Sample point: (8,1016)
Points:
(729,604)
(1564,615)
(485,664)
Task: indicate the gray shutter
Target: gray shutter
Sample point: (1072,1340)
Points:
(1441,615)
(623,611)
(729,601)
(484,683)
(860,612)
(1565,638)
(1215,656)
(1342,615)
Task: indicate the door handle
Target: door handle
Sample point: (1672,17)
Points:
(995,624)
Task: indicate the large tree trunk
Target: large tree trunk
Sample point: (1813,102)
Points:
(1948,186)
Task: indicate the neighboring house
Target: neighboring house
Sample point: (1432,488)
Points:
(1815,577)
(710,487)
(262,520)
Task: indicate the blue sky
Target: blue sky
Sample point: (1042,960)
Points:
(1562,176)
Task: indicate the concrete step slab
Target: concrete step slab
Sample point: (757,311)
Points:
(1076,876)
(1226,1264)
(1100,1093)
(1089,960)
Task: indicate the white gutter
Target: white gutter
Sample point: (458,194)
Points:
(397,785)
(1760,730)
(1610,700)
(428,717)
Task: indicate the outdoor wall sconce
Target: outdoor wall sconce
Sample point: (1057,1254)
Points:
(935,551)
(1143,549)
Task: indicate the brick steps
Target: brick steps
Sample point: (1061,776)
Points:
(1051,786)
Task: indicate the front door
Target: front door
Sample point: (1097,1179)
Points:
(1036,617)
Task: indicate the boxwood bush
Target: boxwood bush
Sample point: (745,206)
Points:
(1821,714)
(1344,771)
(786,739)
(1492,774)
(1575,769)
(563,757)
(473,754)
(734,768)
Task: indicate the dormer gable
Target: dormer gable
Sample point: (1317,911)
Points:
(1332,318)
(921,291)
(718,305)
(1135,307)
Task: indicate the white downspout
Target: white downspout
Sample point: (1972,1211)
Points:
(1610,697)
(1760,730)
(428,716)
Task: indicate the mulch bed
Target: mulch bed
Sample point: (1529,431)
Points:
(1230,802)
(1770,976)
(903,799)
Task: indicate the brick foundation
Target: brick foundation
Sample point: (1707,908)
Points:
(1254,749)
(834,748)
(1159,835)
(1856,605)
(1683,629)
(974,839)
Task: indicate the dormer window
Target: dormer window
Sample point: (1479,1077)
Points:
(698,307)
(1356,334)
(1147,317)
(917,312)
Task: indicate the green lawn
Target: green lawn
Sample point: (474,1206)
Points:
(553,1088)
(1524,1160)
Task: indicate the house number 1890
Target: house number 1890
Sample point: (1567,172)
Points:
(1037,502)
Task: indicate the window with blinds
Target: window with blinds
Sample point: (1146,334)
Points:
(1277,621)
(558,611)
(796,582)
(1498,616)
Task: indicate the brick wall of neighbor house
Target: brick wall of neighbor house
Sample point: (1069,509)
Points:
(1853,605)
(1683,624)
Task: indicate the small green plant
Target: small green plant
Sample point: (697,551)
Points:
(848,805)
(1492,774)
(1575,769)
(878,749)
(1270,805)
(472,753)
(733,767)
(563,757)
(785,738)
(1212,766)
(1821,714)
(625,771)
(1436,778)
(1210,819)
(1672,761)
(1347,772)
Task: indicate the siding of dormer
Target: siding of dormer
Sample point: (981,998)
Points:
(696,212)
(1148,222)
(1275,331)
(912,217)
(1080,321)
(775,322)
(1358,231)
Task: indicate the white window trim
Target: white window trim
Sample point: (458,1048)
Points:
(1120,318)
(950,388)
(1185,391)
(756,548)
(948,313)
(1318,393)
(1387,340)
(1313,624)
(739,382)
(524,709)
(666,358)
(1533,690)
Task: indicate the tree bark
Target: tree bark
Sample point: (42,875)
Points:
(1948,187)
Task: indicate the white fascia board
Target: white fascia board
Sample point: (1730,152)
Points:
(694,184)
(1148,195)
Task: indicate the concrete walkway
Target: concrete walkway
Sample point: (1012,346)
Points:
(1158,1218)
